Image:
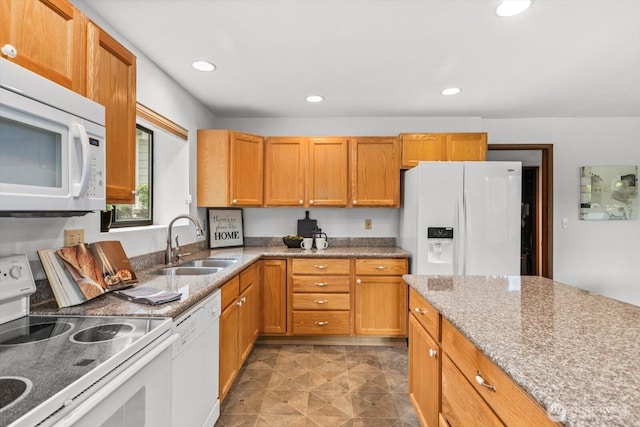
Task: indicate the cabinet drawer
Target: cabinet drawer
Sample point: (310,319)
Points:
(320,266)
(247,277)
(230,291)
(506,398)
(461,404)
(381,266)
(425,313)
(320,284)
(321,301)
(321,323)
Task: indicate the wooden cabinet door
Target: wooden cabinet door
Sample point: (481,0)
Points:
(467,146)
(246,169)
(285,171)
(380,306)
(245,324)
(228,348)
(424,374)
(328,171)
(461,404)
(421,147)
(111,81)
(50,38)
(274,297)
(375,172)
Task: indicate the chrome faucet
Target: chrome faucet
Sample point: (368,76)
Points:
(175,254)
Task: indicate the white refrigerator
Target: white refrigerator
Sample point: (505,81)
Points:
(462,218)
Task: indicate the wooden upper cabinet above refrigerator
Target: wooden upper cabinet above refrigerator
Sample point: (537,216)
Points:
(417,147)
(49,37)
(230,168)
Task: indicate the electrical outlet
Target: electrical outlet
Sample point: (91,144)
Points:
(367,224)
(73,237)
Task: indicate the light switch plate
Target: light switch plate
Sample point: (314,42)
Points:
(367,224)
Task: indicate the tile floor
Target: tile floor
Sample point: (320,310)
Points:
(320,385)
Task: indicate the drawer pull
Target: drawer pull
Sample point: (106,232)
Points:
(322,323)
(358,281)
(420,311)
(433,353)
(381,267)
(321,301)
(483,383)
(320,266)
(322,285)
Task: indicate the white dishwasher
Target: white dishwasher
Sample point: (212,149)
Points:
(195,401)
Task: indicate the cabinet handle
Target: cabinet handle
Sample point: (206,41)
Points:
(322,323)
(483,383)
(310,202)
(239,303)
(381,267)
(301,202)
(234,201)
(433,353)
(419,311)
(320,266)
(243,299)
(358,280)
(355,202)
(321,301)
(322,285)
(9,50)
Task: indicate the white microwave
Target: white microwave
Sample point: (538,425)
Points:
(52,147)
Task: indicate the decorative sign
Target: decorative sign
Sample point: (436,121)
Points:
(608,192)
(225,228)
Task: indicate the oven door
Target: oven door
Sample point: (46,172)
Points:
(138,395)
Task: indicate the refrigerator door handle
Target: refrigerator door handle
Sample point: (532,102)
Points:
(467,231)
(459,241)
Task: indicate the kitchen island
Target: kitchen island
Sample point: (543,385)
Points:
(574,352)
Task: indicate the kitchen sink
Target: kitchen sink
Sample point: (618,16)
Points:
(186,271)
(210,262)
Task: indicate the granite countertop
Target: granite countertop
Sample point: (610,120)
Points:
(574,351)
(195,288)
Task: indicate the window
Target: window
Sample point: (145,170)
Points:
(141,211)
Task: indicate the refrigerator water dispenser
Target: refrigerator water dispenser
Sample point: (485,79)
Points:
(440,245)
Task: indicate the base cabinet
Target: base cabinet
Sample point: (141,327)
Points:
(424,373)
(274,297)
(238,322)
(380,297)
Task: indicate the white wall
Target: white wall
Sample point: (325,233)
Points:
(158,92)
(601,256)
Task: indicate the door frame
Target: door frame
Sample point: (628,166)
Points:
(546,208)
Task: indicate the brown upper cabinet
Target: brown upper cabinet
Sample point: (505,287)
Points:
(49,37)
(230,168)
(417,147)
(301,171)
(111,81)
(375,177)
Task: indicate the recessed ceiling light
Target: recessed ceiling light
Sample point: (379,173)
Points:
(315,98)
(203,65)
(451,91)
(513,7)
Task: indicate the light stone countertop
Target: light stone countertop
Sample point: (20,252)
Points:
(574,351)
(195,288)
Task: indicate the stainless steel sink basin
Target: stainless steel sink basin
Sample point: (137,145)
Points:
(186,271)
(210,262)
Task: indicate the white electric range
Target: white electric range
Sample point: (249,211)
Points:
(70,370)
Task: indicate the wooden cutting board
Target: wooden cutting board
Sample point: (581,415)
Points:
(306,226)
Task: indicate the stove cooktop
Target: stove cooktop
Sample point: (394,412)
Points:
(47,360)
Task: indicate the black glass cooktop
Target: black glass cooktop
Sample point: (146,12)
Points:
(32,330)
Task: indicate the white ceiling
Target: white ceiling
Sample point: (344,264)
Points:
(561,58)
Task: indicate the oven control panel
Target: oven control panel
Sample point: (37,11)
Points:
(15,277)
